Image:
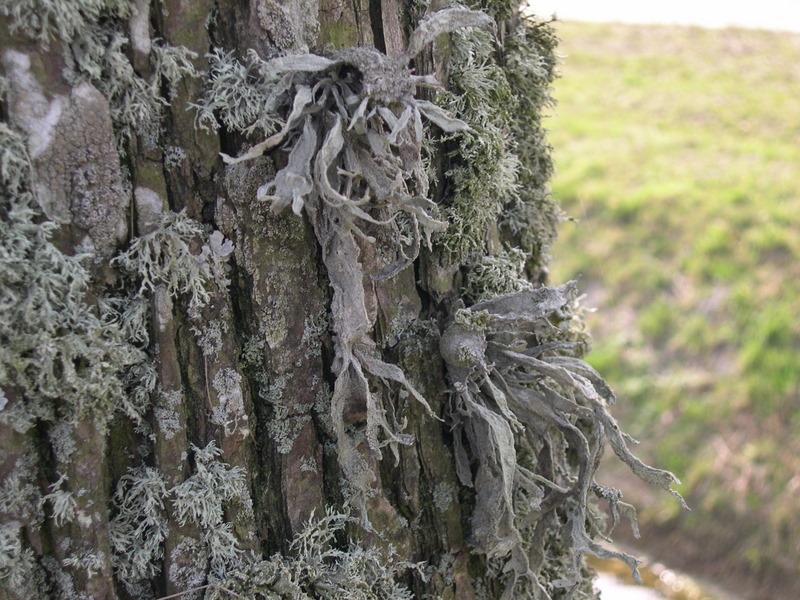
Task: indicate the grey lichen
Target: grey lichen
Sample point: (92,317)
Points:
(354,135)
(516,391)
(62,503)
(99,54)
(483,170)
(292,26)
(96,33)
(495,275)
(201,498)
(229,412)
(138,529)
(165,411)
(530,69)
(316,566)
(18,568)
(71,143)
(66,357)
(59,20)
(165,256)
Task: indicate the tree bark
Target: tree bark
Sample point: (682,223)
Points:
(185,369)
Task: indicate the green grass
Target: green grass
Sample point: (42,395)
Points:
(678,156)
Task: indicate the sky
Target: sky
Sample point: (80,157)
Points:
(764,14)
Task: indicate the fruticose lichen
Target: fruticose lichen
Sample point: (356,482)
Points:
(84,339)
(140,526)
(518,391)
(95,31)
(164,256)
(316,566)
(354,135)
(66,356)
(495,275)
(483,169)
(530,68)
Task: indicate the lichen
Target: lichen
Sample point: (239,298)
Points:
(18,568)
(516,391)
(229,413)
(443,496)
(201,498)
(95,32)
(530,69)
(238,95)
(138,529)
(50,20)
(65,356)
(62,503)
(164,256)
(354,135)
(483,169)
(292,26)
(71,145)
(165,411)
(495,275)
(317,567)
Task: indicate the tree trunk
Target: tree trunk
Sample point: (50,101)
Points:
(203,392)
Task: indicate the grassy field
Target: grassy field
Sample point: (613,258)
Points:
(678,157)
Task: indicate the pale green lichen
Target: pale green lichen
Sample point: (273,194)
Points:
(18,568)
(90,562)
(286,423)
(202,500)
(188,569)
(66,357)
(239,95)
(59,20)
(483,169)
(165,256)
(317,567)
(165,410)
(139,527)
(174,157)
(62,503)
(530,68)
(443,496)
(495,275)
(100,54)
(202,497)
(229,412)
(95,31)
(20,498)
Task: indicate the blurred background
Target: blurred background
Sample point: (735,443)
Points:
(677,150)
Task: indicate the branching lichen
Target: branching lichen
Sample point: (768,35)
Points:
(495,275)
(139,528)
(200,499)
(66,357)
(353,130)
(530,68)
(59,20)
(483,168)
(516,390)
(164,256)
(229,413)
(95,32)
(317,567)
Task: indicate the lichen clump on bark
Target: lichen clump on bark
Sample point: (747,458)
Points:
(152,443)
(354,134)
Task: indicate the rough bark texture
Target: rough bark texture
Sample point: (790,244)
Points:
(201,393)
